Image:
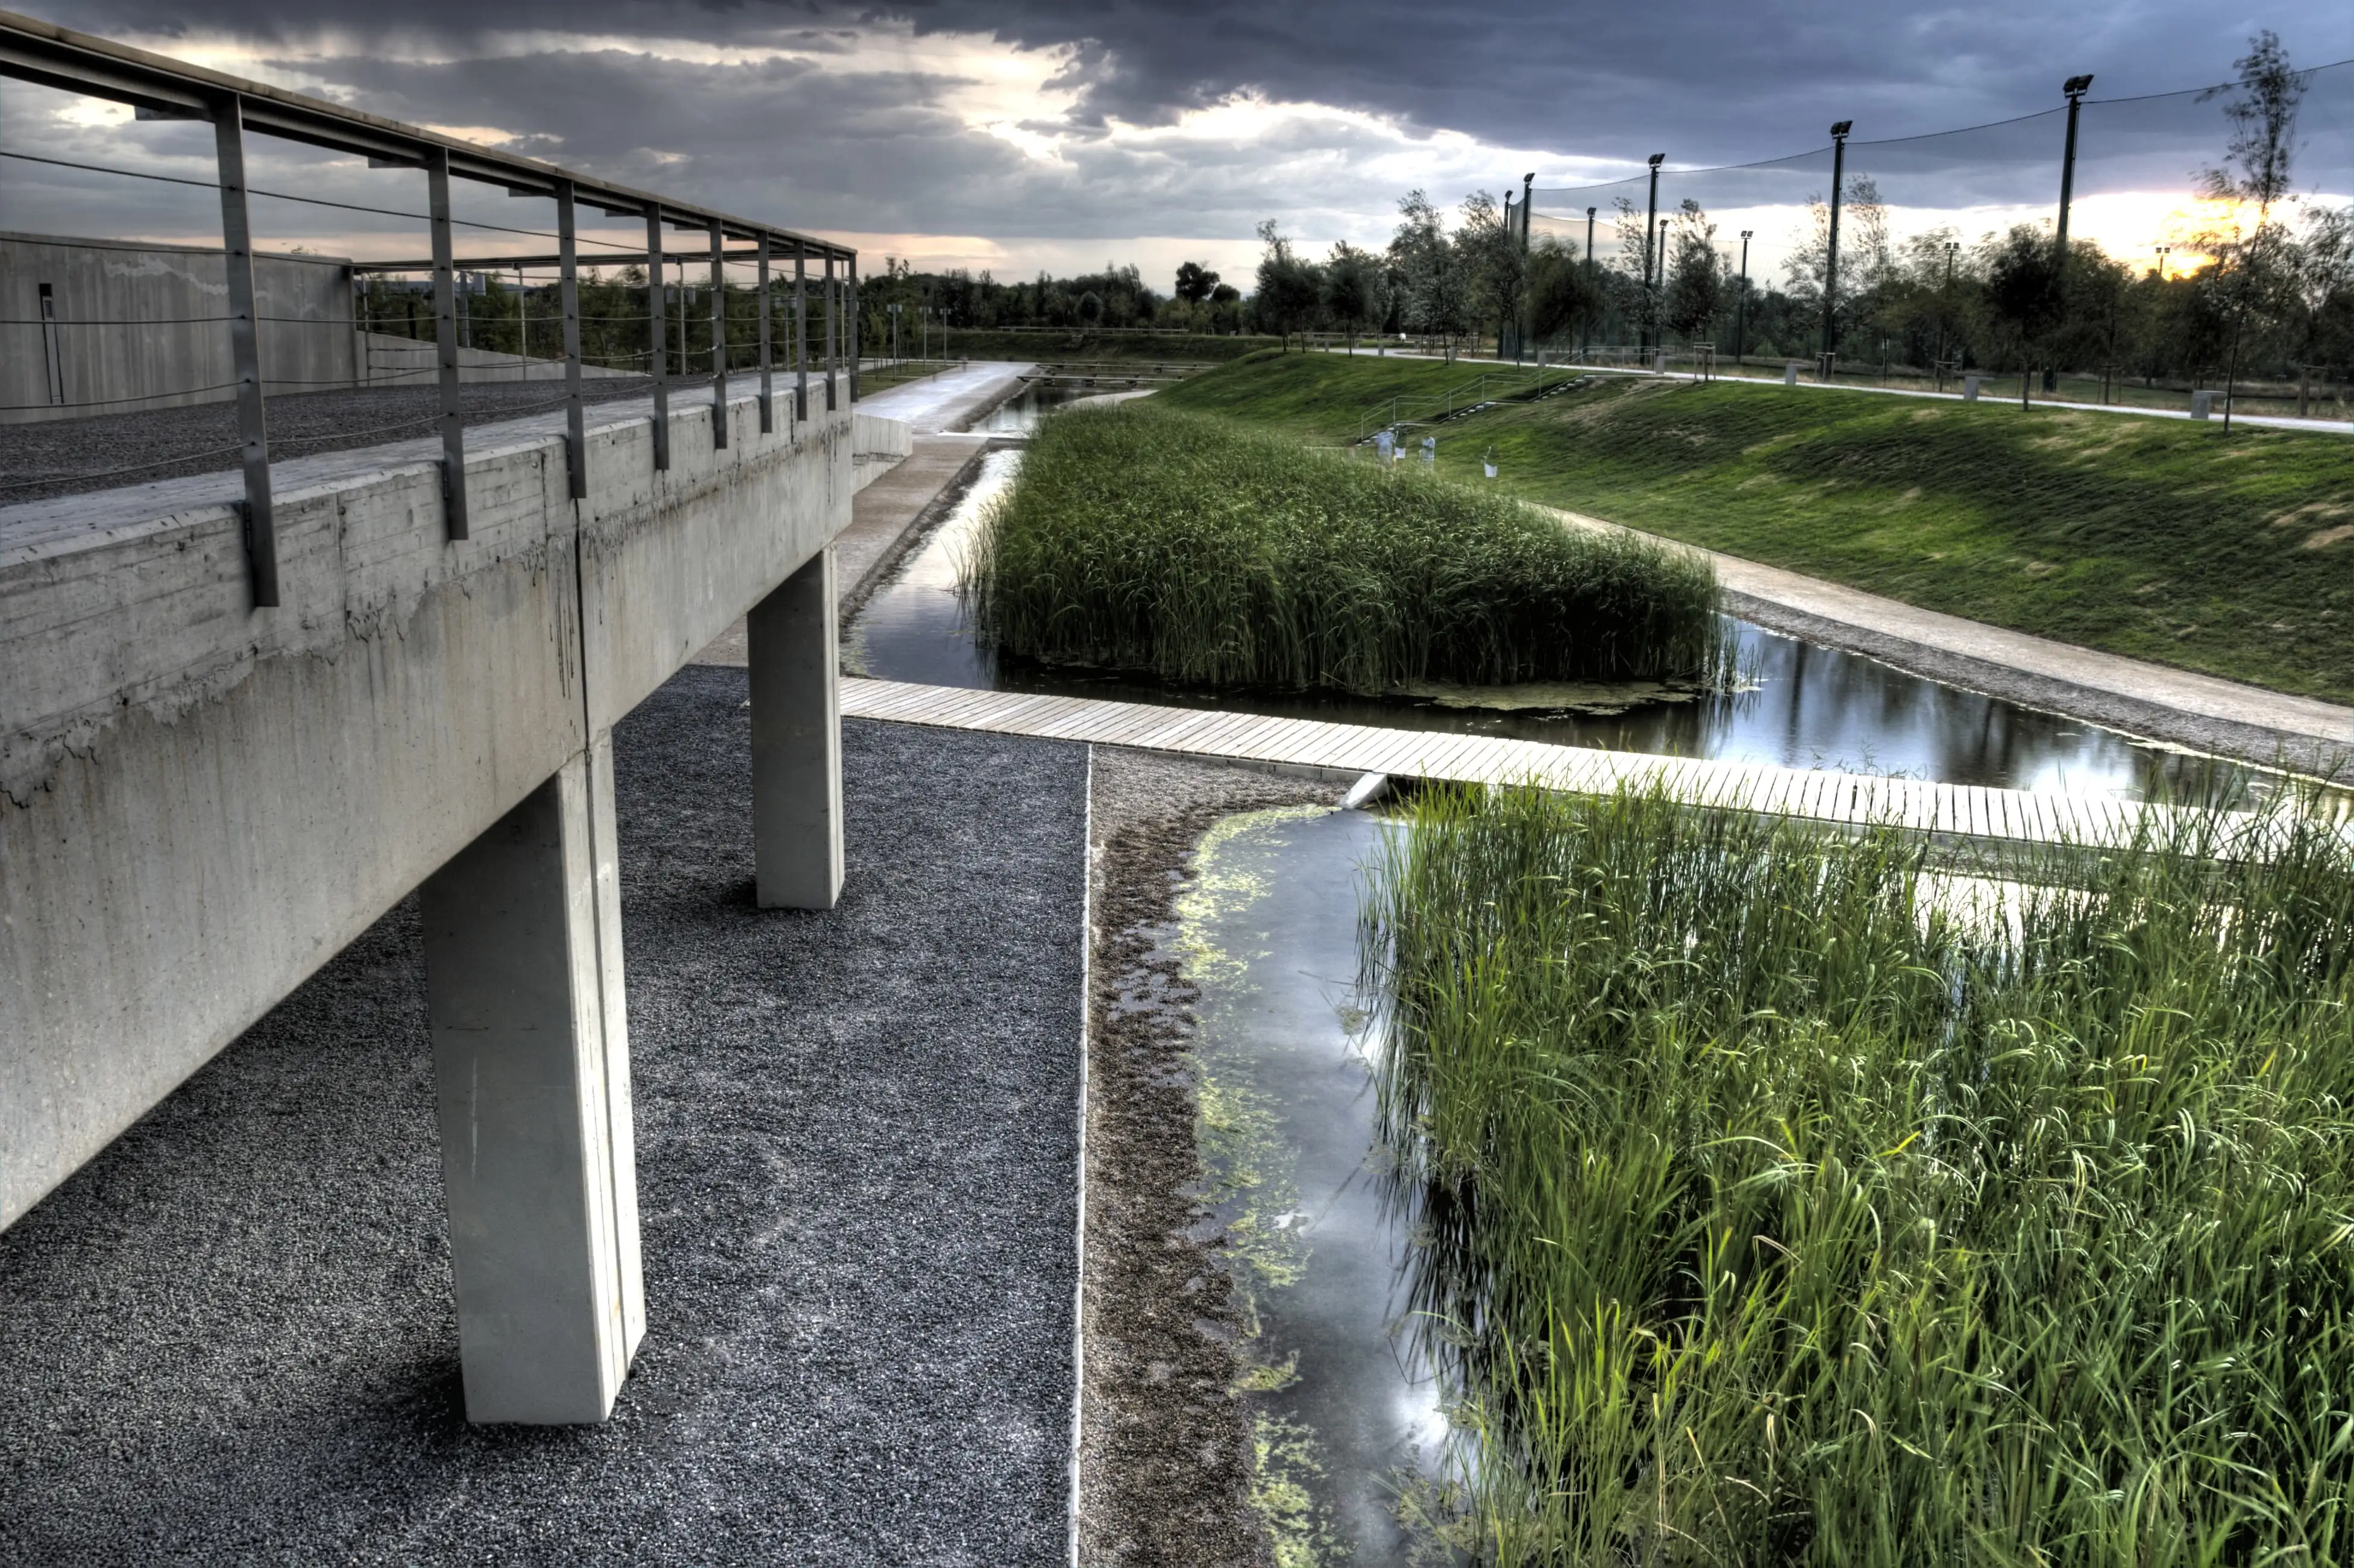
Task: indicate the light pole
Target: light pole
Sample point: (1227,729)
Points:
(1831,257)
(1521,324)
(1659,307)
(2075,88)
(1741,303)
(1593,276)
(893,308)
(2162,252)
(1944,309)
(1651,222)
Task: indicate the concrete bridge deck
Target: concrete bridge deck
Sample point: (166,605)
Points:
(201,802)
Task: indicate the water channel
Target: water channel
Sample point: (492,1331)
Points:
(1350,1422)
(1349,1425)
(1804,705)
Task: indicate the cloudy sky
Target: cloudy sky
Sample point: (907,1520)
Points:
(1025,133)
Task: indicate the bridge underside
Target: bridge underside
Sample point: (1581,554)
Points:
(201,802)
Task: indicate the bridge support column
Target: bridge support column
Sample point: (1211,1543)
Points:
(531,1061)
(797,741)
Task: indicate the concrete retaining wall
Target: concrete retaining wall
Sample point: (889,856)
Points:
(200,802)
(97,285)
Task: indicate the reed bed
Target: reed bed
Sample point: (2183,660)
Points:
(1199,551)
(1783,1200)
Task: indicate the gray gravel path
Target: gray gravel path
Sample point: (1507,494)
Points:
(229,1339)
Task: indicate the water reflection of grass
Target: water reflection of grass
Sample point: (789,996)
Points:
(1780,1215)
(1139,539)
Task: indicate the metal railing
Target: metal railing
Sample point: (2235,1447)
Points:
(159,87)
(1430,408)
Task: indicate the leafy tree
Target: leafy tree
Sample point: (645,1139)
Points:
(1564,297)
(1433,291)
(1353,290)
(1695,275)
(2022,286)
(1289,288)
(1495,273)
(2254,263)
(1194,283)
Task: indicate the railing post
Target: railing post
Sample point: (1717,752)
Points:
(445,338)
(244,350)
(801,329)
(575,440)
(850,321)
(719,339)
(657,350)
(768,409)
(832,334)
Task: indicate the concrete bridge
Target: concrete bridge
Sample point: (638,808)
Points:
(202,800)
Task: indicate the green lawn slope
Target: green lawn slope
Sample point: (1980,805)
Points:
(2159,539)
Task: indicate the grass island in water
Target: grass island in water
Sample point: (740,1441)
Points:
(1139,539)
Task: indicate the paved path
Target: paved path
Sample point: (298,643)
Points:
(1958,810)
(950,400)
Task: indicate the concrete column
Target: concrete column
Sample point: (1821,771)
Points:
(531,1062)
(797,741)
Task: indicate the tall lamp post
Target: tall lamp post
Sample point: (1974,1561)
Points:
(1741,303)
(1944,309)
(1594,277)
(893,308)
(2162,252)
(1830,258)
(1520,326)
(1650,223)
(2075,87)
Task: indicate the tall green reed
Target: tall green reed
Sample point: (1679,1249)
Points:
(1198,550)
(1784,1204)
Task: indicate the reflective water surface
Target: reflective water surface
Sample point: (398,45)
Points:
(1810,706)
(1347,1413)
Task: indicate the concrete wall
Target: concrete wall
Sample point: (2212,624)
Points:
(200,802)
(97,285)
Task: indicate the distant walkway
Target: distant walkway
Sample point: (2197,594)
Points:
(950,400)
(1956,810)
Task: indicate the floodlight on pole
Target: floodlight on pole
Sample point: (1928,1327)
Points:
(1651,222)
(1831,257)
(2163,251)
(1593,276)
(1741,302)
(2075,87)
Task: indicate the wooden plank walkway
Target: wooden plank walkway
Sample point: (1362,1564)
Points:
(1956,810)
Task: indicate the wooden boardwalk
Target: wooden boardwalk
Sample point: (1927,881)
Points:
(1957,810)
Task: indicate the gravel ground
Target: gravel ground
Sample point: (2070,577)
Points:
(229,1339)
(1166,1467)
(66,457)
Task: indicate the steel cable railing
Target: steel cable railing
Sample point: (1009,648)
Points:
(59,58)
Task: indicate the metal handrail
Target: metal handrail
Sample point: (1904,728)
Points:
(1469,394)
(160,87)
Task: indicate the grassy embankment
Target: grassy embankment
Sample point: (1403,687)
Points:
(1144,540)
(1776,1220)
(2157,539)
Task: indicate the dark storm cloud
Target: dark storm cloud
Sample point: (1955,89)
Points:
(1716,81)
(843,140)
